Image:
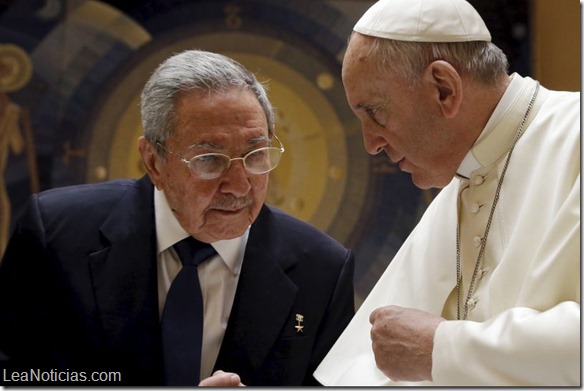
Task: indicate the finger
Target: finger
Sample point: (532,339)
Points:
(231,378)
(221,379)
(381,310)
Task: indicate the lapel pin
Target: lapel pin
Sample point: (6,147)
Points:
(299,327)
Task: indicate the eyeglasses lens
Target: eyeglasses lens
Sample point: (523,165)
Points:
(212,165)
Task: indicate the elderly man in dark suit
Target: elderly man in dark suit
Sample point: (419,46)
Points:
(89,284)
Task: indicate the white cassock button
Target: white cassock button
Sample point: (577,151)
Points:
(471,304)
(474,208)
(477,241)
(478,180)
(482,272)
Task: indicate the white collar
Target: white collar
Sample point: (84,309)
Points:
(169,231)
(470,162)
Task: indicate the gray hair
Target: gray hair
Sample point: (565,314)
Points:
(481,61)
(193,70)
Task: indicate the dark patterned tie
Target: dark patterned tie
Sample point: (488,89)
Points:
(182,318)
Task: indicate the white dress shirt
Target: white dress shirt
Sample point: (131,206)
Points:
(218,277)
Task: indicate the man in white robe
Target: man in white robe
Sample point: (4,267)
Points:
(486,289)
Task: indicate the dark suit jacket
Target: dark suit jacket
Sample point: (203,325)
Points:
(78,292)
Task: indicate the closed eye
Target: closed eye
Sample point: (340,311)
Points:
(372,113)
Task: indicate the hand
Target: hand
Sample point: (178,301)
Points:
(222,379)
(403,339)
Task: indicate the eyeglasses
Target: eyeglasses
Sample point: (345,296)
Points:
(212,165)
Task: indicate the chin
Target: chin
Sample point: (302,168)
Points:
(215,235)
(429,183)
(230,230)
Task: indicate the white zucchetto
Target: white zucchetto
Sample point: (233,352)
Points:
(423,21)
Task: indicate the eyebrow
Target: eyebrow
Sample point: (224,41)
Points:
(258,140)
(369,106)
(364,106)
(210,145)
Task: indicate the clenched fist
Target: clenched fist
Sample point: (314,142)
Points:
(403,339)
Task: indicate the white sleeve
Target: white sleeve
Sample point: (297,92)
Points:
(520,346)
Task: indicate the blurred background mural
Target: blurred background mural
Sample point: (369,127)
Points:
(71,72)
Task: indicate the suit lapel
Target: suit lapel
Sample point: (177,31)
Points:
(124,273)
(262,302)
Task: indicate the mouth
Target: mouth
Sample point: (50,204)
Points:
(393,158)
(231,207)
(227,211)
(400,162)
(397,161)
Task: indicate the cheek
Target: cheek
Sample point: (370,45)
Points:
(259,186)
(188,198)
(196,197)
(414,130)
(259,189)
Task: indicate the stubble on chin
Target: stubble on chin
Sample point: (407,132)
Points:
(220,225)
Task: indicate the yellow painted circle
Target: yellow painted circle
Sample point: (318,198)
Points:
(15,68)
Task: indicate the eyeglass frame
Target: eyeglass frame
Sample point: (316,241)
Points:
(242,158)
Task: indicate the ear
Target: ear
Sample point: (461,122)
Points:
(151,160)
(448,86)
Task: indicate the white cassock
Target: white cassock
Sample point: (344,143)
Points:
(523,324)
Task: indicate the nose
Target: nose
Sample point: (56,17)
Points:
(374,143)
(235,179)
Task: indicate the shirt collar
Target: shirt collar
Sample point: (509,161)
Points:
(470,162)
(169,231)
